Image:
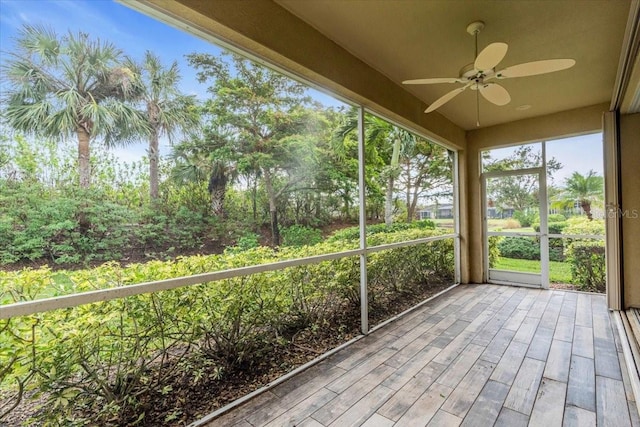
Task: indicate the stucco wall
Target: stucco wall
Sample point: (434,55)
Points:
(630,205)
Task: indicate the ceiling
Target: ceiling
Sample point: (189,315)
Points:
(410,39)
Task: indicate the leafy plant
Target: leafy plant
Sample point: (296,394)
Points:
(299,235)
(494,250)
(525,217)
(100,362)
(588,268)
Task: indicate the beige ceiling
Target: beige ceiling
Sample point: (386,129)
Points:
(409,39)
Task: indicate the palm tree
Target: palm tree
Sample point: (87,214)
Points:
(69,86)
(584,189)
(198,161)
(380,135)
(167,110)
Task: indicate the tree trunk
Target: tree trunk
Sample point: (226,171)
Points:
(273,209)
(84,165)
(254,199)
(408,194)
(217,201)
(586,207)
(153,165)
(388,203)
(218,191)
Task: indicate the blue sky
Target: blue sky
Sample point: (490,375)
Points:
(128,29)
(576,154)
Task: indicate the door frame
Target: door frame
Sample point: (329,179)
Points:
(518,278)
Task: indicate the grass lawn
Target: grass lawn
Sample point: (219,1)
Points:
(559,272)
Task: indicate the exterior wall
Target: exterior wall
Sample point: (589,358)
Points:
(566,123)
(630,205)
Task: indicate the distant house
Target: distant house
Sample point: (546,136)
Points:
(440,211)
(499,213)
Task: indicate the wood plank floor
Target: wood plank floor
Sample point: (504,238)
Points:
(480,355)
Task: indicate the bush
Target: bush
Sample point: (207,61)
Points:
(519,248)
(582,225)
(587,260)
(299,235)
(353,233)
(587,256)
(245,242)
(525,218)
(494,249)
(554,227)
(556,218)
(101,363)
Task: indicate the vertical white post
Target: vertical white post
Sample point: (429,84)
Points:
(544,230)
(364,298)
(456,217)
(486,274)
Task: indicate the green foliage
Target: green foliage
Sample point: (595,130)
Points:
(519,192)
(554,227)
(98,363)
(526,217)
(519,248)
(69,86)
(585,189)
(529,248)
(588,269)
(494,250)
(587,256)
(353,233)
(582,225)
(299,235)
(245,242)
(556,218)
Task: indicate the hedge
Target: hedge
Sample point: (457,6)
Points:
(100,362)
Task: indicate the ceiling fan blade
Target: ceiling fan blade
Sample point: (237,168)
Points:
(431,81)
(536,67)
(446,98)
(490,56)
(495,94)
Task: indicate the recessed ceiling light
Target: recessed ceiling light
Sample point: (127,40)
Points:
(523,107)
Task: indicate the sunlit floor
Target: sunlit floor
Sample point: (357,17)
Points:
(479,355)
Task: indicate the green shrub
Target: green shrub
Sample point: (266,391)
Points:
(588,270)
(494,250)
(556,218)
(99,363)
(353,233)
(299,235)
(553,227)
(529,248)
(245,242)
(587,256)
(525,218)
(582,225)
(519,248)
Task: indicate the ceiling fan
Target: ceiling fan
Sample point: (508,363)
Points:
(478,75)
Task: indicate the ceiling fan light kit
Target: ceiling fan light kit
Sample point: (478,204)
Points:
(478,74)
